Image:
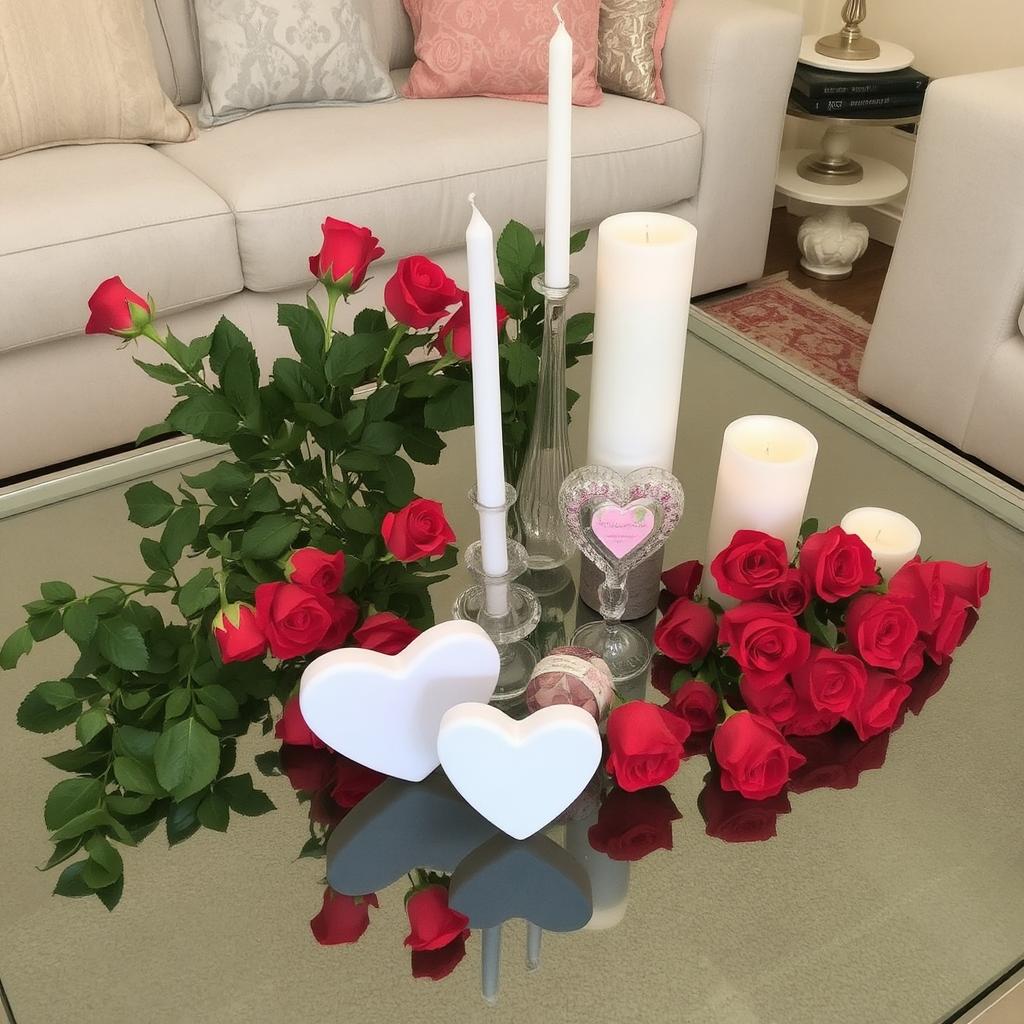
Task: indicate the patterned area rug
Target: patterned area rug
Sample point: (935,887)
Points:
(818,336)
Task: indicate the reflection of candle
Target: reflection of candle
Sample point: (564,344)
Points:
(609,879)
(490,956)
(533,936)
(894,540)
(559,181)
(644,276)
(763,478)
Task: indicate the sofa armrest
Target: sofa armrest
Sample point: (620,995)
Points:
(729,65)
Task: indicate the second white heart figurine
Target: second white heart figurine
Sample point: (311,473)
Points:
(519,775)
(383,710)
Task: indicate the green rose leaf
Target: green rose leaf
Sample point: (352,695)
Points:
(181,530)
(57,591)
(163,372)
(71,882)
(90,725)
(102,854)
(71,798)
(213,813)
(450,409)
(396,479)
(19,643)
(351,356)
(78,759)
(148,505)
(182,820)
(80,621)
(384,438)
(422,445)
(522,363)
(197,594)
(242,797)
(227,338)
(515,251)
(131,741)
(227,478)
(36,714)
(128,806)
(186,757)
(110,895)
(270,537)
(219,700)
(207,416)
(136,777)
(177,704)
(121,643)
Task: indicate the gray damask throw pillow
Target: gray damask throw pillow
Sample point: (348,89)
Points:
(262,54)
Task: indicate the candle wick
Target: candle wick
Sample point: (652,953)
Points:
(472,199)
(878,536)
(647,233)
(558,14)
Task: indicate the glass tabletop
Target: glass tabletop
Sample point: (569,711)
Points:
(886,885)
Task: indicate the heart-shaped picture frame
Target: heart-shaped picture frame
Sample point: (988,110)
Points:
(619,521)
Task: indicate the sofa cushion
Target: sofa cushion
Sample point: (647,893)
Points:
(405,169)
(76,215)
(172,31)
(392,31)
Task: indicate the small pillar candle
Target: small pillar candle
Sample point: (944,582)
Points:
(893,539)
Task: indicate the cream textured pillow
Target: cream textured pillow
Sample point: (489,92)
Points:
(631,38)
(259,54)
(80,72)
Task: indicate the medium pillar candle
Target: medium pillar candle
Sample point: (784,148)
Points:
(893,539)
(764,475)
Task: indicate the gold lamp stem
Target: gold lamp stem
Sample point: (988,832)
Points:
(850,44)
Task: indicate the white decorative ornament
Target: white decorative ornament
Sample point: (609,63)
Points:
(384,711)
(831,244)
(519,775)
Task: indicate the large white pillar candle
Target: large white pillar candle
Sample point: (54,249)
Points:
(764,475)
(559,168)
(893,539)
(644,277)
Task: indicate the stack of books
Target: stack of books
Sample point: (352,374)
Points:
(890,94)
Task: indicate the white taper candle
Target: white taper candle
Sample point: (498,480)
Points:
(559,169)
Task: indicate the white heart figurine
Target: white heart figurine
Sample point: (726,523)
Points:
(519,775)
(384,711)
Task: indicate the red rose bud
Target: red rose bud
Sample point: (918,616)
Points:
(751,565)
(353,782)
(697,704)
(294,620)
(342,919)
(645,744)
(683,579)
(918,586)
(632,825)
(238,634)
(883,698)
(115,309)
(881,630)
(345,256)
(419,292)
(385,633)
(291,727)
(970,582)
(733,818)
(432,923)
(773,699)
(830,681)
(838,564)
(417,531)
(344,615)
(764,641)
(454,337)
(686,632)
(753,757)
(436,964)
(315,569)
(793,593)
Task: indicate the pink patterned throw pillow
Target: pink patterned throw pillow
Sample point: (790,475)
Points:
(499,48)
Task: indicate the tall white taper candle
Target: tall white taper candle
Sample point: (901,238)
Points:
(559,178)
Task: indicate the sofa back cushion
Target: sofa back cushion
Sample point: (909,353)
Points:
(393,32)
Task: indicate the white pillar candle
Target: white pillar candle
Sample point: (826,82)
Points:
(893,539)
(559,180)
(490,465)
(644,278)
(764,475)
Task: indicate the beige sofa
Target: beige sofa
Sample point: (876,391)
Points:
(947,347)
(225,224)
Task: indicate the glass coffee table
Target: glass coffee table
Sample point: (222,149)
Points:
(891,891)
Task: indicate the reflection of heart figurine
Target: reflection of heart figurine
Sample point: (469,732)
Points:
(620,521)
(384,711)
(401,826)
(535,881)
(519,775)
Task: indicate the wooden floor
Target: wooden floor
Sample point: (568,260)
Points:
(859,293)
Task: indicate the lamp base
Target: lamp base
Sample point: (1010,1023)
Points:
(845,46)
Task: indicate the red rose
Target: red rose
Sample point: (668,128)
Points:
(436,964)
(308,769)
(291,727)
(293,619)
(733,818)
(110,312)
(687,631)
(831,681)
(753,757)
(883,698)
(432,923)
(315,569)
(344,615)
(342,919)
(386,633)
(917,585)
(913,663)
(353,782)
(697,704)
(950,630)
(683,579)
(807,720)
(793,593)
(771,698)
(664,672)
(632,825)
(238,635)
(836,761)
(971,582)
(881,630)
(838,564)
(417,531)
(751,565)
(419,292)
(454,337)
(345,256)
(764,640)
(645,744)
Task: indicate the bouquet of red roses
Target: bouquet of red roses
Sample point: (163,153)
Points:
(807,644)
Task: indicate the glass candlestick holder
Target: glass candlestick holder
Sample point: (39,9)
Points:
(507,610)
(548,460)
(626,650)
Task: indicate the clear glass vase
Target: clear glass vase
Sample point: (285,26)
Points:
(548,460)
